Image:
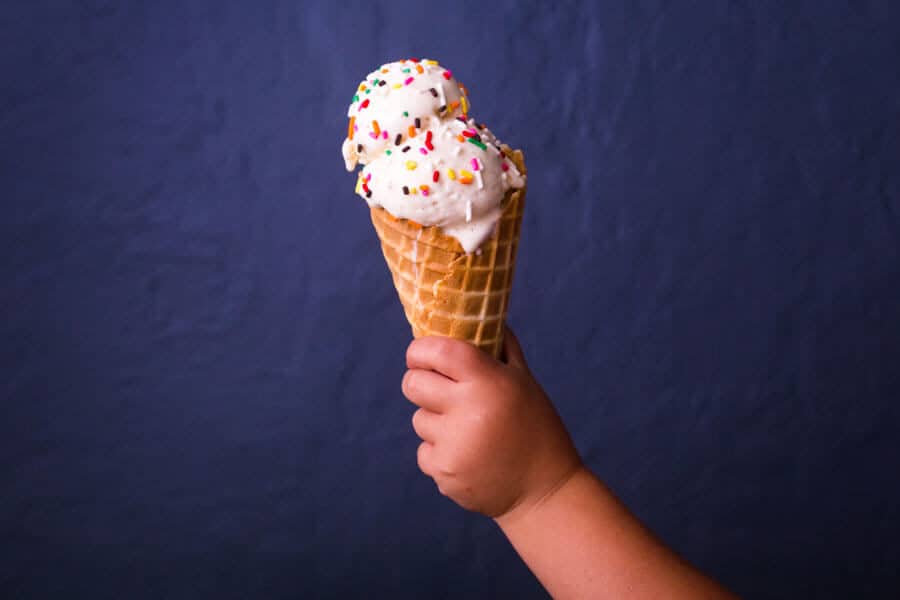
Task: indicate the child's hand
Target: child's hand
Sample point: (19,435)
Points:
(492,440)
(493,443)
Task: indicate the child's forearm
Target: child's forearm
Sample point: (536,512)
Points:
(581,542)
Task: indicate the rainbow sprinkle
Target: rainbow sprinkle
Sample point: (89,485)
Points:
(350,128)
(411,165)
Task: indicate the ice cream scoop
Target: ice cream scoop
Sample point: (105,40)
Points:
(395,100)
(453,175)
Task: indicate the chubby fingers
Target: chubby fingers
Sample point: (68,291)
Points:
(455,359)
(425,459)
(427,389)
(427,425)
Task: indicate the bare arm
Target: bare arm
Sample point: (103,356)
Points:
(581,542)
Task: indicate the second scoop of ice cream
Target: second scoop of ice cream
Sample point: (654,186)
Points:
(453,175)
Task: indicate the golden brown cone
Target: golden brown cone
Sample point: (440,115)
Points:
(445,291)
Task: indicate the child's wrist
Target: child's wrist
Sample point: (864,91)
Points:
(531,503)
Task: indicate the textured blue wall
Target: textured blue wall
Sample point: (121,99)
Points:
(201,349)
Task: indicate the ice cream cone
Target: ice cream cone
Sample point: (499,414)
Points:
(445,291)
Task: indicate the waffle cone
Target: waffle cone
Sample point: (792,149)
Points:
(445,291)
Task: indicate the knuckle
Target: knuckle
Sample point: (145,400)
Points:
(448,349)
(483,403)
(451,466)
(508,391)
(443,349)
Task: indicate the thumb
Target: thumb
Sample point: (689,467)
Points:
(512,351)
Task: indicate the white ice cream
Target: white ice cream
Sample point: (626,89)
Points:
(394,98)
(448,172)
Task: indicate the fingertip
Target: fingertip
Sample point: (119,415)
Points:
(427,389)
(413,386)
(406,384)
(426,424)
(421,351)
(411,352)
(448,356)
(423,457)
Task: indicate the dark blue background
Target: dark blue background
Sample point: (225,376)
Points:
(201,348)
